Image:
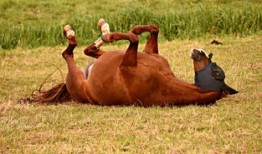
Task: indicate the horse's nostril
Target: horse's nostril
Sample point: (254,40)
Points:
(198,58)
(195,56)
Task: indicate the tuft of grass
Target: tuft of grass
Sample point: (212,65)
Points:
(232,125)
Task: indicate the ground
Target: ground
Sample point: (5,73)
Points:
(232,125)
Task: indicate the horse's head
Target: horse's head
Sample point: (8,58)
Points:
(208,75)
(201,58)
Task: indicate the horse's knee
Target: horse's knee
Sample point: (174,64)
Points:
(154,29)
(133,38)
(136,30)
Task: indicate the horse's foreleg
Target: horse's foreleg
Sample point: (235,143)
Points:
(152,44)
(130,57)
(93,51)
(116,36)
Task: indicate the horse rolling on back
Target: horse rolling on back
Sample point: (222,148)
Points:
(126,77)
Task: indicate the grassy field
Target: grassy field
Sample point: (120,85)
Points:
(31,43)
(232,125)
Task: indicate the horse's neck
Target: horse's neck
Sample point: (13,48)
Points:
(190,94)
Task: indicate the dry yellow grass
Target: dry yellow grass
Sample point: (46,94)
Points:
(232,125)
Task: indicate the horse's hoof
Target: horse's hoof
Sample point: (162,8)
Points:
(68,31)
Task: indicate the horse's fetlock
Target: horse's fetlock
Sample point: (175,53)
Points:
(73,45)
(64,55)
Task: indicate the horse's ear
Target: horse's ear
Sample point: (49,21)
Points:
(210,55)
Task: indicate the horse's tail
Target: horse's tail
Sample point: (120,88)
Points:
(56,94)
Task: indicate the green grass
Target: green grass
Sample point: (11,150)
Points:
(28,23)
(232,125)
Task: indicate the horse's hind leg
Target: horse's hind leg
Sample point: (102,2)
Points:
(75,77)
(70,35)
(152,44)
(93,51)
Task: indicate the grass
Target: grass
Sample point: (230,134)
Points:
(31,42)
(39,23)
(232,125)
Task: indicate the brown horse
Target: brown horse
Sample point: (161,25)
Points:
(125,77)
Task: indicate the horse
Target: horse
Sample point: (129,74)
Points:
(126,77)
